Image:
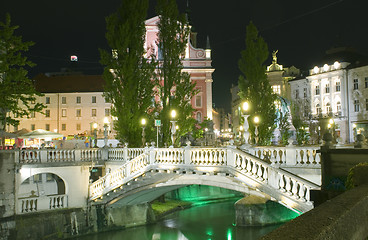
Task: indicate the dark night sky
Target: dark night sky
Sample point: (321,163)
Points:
(301,30)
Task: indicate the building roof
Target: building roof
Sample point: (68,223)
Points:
(343,54)
(69,83)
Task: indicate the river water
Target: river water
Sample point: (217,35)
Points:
(202,222)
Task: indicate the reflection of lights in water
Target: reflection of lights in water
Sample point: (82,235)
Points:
(170,223)
(229,234)
(156,236)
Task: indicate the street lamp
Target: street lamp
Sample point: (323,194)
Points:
(106,125)
(173,127)
(245,108)
(143,122)
(256,121)
(94,126)
(331,128)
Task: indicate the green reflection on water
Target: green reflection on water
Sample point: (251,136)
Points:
(213,222)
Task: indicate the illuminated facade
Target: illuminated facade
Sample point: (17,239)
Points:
(197,63)
(73,104)
(334,97)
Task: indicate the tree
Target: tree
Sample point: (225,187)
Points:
(175,88)
(254,86)
(128,74)
(17,91)
(302,135)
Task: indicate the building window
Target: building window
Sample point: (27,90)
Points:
(276,89)
(198,101)
(94,112)
(356,84)
(37,178)
(33,114)
(94,99)
(328,107)
(338,86)
(78,112)
(199,117)
(327,89)
(78,100)
(296,93)
(49,177)
(317,90)
(63,112)
(33,127)
(338,107)
(47,127)
(47,100)
(63,127)
(63,100)
(15,128)
(47,113)
(366,82)
(78,126)
(305,92)
(366,104)
(107,112)
(318,109)
(356,105)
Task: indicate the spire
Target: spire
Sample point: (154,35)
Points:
(208,43)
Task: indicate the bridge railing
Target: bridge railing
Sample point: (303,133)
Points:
(289,156)
(241,165)
(37,204)
(118,177)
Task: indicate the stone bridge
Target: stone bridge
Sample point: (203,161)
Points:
(135,175)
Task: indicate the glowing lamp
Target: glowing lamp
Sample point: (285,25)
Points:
(245,106)
(315,69)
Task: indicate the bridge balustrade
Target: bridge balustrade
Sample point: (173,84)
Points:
(289,187)
(37,204)
(289,156)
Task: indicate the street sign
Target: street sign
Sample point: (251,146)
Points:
(157,123)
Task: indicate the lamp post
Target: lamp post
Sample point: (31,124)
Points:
(173,127)
(143,122)
(354,131)
(331,128)
(256,121)
(245,108)
(106,126)
(94,126)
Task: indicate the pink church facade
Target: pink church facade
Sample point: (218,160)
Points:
(197,63)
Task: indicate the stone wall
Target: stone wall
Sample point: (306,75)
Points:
(67,223)
(343,217)
(7,183)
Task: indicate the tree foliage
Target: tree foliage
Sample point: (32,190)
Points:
(254,85)
(302,135)
(17,91)
(128,74)
(175,88)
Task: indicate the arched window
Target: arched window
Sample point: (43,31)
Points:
(328,107)
(199,117)
(318,109)
(338,106)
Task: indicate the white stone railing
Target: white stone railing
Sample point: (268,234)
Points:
(118,177)
(289,156)
(60,156)
(266,177)
(37,204)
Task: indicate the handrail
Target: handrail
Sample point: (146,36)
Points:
(242,165)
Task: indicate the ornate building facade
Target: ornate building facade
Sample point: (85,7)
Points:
(197,63)
(334,96)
